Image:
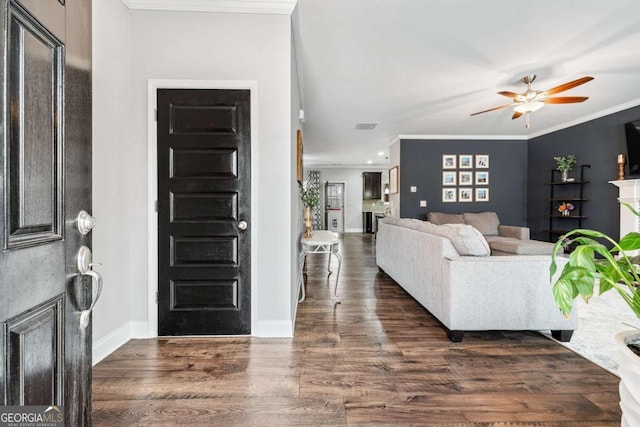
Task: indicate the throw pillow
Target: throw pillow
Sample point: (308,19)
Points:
(466,239)
(485,222)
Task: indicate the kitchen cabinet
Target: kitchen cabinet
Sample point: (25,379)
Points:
(372,185)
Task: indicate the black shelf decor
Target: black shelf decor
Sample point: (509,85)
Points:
(566,193)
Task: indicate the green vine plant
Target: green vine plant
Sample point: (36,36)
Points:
(565,163)
(583,267)
(309,195)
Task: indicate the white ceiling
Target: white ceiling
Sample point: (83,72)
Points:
(421,67)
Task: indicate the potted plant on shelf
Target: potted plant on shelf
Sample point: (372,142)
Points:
(564,164)
(310,197)
(613,269)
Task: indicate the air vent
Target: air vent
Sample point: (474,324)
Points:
(366,126)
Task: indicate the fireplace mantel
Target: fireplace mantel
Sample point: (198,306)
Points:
(629,192)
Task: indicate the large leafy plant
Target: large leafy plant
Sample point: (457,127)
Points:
(309,195)
(613,268)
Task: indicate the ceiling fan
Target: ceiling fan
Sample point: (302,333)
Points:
(532,100)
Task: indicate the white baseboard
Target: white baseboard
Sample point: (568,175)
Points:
(273,329)
(107,345)
(353,230)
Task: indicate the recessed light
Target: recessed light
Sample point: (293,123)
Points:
(369,161)
(380,153)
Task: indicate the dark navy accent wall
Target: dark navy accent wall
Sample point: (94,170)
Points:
(598,143)
(421,166)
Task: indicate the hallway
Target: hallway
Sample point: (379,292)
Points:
(376,358)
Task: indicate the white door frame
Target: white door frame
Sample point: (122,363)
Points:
(152,189)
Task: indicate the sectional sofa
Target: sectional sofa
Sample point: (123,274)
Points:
(450,271)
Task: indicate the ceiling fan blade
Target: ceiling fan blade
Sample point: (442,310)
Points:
(516,114)
(492,109)
(568,85)
(566,99)
(508,94)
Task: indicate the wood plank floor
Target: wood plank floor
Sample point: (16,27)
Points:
(377,358)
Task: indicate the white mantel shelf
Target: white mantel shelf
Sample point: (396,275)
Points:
(629,192)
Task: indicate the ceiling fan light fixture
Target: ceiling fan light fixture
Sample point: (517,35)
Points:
(529,107)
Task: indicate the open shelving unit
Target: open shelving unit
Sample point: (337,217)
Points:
(572,192)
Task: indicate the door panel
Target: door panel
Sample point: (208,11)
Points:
(45,179)
(204,270)
(35,129)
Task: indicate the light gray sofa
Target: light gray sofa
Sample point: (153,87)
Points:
(448,270)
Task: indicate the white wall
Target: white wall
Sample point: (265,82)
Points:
(296,204)
(112,203)
(187,46)
(353,189)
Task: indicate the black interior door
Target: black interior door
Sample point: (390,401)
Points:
(204,245)
(45,180)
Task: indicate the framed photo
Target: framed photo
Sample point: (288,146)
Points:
(466,161)
(449,195)
(465,178)
(482,161)
(299,171)
(465,195)
(449,178)
(482,178)
(449,161)
(393,180)
(482,194)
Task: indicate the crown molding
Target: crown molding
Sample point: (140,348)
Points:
(278,7)
(463,137)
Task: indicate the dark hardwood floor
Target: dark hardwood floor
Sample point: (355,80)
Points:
(377,358)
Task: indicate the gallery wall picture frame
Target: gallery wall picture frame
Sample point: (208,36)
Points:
(465,161)
(449,161)
(393,180)
(482,178)
(299,168)
(449,195)
(482,194)
(482,161)
(465,178)
(449,178)
(465,194)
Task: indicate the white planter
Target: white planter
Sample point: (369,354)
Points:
(629,370)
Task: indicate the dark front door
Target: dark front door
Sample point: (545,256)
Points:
(204,245)
(45,180)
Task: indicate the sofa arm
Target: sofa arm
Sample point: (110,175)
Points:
(521,233)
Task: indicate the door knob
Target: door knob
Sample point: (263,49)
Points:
(85,222)
(242,225)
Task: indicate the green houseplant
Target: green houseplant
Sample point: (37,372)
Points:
(591,261)
(564,164)
(310,197)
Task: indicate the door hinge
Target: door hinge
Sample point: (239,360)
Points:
(157,301)
(155,114)
(155,206)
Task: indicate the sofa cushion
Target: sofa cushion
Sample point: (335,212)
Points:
(485,222)
(411,223)
(439,218)
(466,239)
(522,247)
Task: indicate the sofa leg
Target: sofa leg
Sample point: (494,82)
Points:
(562,335)
(455,336)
